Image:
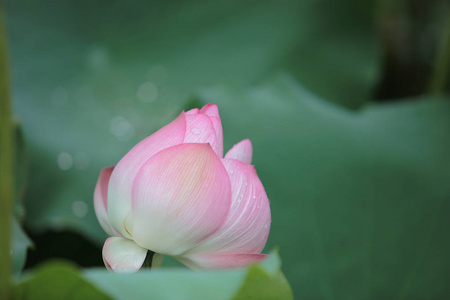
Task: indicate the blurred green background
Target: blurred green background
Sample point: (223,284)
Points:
(346,103)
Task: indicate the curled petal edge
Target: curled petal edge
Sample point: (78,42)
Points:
(220,261)
(101,200)
(121,255)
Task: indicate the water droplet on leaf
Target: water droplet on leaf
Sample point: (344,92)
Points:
(65,161)
(122,129)
(79,209)
(98,57)
(147,92)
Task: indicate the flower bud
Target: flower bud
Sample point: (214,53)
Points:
(175,194)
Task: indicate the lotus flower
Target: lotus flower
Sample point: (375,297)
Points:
(174,194)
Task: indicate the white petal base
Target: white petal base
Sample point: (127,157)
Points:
(121,255)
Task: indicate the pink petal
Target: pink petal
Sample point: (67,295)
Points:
(200,129)
(180,196)
(193,111)
(217,124)
(213,112)
(101,199)
(123,256)
(210,110)
(220,261)
(242,151)
(248,224)
(119,191)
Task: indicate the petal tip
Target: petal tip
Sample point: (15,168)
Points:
(211,110)
(242,151)
(193,111)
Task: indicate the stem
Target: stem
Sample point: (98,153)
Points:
(6,167)
(148,260)
(442,64)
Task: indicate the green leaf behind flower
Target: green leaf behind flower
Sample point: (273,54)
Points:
(55,281)
(61,280)
(359,200)
(262,281)
(92,78)
(265,281)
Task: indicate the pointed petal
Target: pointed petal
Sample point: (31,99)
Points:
(213,112)
(242,151)
(217,124)
(120,186)
(210,110)
(200,129)
(220,261)
(193,111)
(248,224)
(101,199)
(180,196)
(121,255)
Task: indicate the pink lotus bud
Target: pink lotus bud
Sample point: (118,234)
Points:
(174,194)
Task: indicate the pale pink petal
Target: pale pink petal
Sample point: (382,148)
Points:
(248,224)
(119,191)
(180,196)
(210,110)
(101,199)
(220,261)
(200,129)
(193,111)
(217,124)
(242,151)
(213,112)
(121,255)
